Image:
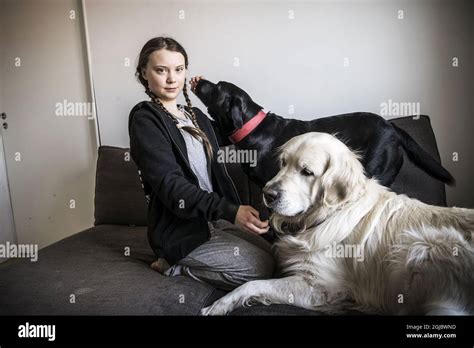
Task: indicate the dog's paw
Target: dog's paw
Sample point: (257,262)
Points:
(206,311)
(217,308)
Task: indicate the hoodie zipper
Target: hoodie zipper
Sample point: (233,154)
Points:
(225,168)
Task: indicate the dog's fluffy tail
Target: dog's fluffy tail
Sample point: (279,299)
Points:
(423,159)
(441,259)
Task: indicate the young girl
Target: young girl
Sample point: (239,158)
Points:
(196,222)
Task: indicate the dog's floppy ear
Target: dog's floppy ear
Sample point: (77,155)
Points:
(237,112)
(333,191)
(341,181)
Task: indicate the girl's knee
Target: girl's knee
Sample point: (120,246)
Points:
(267,267)
(260,267)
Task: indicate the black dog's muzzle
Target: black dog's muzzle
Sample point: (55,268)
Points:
(205,91)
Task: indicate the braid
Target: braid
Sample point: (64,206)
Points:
(203,135)
(195,131)
(150,93)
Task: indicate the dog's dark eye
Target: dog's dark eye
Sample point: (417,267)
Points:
(283,163)
(306,172)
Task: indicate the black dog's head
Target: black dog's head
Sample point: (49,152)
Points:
(227,104)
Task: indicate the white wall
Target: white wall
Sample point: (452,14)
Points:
(58,153)
(7,225)
(300,61)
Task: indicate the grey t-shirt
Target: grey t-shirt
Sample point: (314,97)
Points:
(196,155)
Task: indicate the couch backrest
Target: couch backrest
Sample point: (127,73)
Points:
(119,197)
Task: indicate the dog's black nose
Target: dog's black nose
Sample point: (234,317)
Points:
(270,193)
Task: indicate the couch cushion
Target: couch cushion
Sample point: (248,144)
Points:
(93,265)
(119,197)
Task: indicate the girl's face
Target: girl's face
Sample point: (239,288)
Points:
(165,73)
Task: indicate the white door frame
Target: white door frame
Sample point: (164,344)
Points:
(7,220)
(89,72)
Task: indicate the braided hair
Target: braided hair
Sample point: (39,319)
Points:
(195,131)
(170,44)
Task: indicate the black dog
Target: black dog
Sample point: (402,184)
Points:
(378,141)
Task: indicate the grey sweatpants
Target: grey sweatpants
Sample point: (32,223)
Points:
(230,258)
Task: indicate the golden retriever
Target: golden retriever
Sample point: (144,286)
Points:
(348,243)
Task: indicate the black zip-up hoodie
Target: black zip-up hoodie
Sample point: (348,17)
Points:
(179,210)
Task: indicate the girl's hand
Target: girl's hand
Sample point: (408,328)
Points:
(193,82)
(248,219)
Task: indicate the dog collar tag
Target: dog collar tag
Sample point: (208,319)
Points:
(249,126)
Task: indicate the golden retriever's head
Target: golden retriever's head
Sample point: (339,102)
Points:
(318,174)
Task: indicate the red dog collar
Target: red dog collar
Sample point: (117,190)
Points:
(249,126)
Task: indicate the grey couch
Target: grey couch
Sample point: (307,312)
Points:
(107,267)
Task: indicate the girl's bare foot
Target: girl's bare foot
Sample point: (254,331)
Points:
(160,265)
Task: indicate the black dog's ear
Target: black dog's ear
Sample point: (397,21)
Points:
(236,112)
